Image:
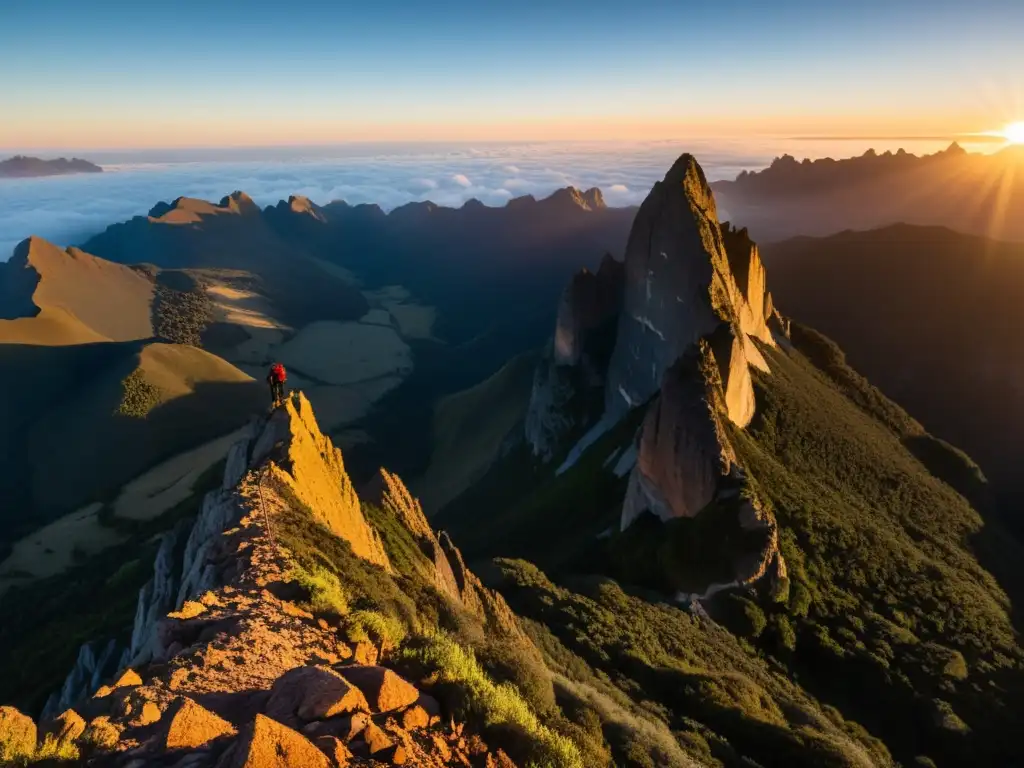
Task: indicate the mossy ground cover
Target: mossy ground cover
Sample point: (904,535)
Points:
(894,614)
(898,613)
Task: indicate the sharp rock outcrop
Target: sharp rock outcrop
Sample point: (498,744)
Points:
(684,278)
(675,329)
(569,381)
(451,576)
(240,674)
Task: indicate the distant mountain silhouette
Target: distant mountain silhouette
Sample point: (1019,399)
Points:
(21,166)
(932,317)
(970,192)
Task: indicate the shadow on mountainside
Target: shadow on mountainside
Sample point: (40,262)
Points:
(64,444)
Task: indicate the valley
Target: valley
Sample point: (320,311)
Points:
(651,516)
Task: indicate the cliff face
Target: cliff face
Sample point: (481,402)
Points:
(689,308)
(569,381)
(225,669)
(682,453)
(312,468)
(681,285)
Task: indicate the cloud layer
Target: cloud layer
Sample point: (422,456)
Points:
(70,209)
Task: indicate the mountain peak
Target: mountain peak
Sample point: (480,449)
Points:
(240,202)
(302,205)
(571,196)
(686,172)
(683,279)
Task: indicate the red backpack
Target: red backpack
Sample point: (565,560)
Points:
(277,372)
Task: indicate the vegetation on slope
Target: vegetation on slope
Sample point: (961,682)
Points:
(46,622)
(181,309)
(894,614)
(674,689)
(897,612)
(139,397)
(491,680)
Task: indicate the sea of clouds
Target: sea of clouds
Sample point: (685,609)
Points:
(69,209)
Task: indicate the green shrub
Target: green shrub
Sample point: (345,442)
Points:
(384,631)
(500,708)
(742,616)
(181,316)
(326,595)
(138,396)
(508,661)
(53,750)
(799,599)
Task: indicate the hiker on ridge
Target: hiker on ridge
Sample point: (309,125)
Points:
(276,379)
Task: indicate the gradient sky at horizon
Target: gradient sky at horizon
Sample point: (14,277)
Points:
(119,73)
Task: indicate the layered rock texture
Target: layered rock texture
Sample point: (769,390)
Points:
(225,669)
(674,329)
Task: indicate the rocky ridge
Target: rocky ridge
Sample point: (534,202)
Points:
(225,668)
(689,309)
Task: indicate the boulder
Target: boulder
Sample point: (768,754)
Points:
(265,743)
(384,690)
(336,751)
(128,679)
(193,726)
(365,653)
(414,717)
(17,736)
(313,693)
(148,714)
(344,728)
(376,739)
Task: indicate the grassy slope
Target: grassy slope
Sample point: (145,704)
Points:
(94,451)
(897,621)
(469,428)
(931,317)
(893,616)
(522,509)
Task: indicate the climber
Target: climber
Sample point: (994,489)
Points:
(276,379)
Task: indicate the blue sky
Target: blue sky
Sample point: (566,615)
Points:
(131,74)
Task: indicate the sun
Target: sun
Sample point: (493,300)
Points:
(1014,133)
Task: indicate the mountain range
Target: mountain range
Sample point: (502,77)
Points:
(20,166)
(680,527)
(973,193)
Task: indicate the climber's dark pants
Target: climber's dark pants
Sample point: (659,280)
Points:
(276,391)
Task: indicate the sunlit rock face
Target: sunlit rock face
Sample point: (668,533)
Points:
(685,276)
(681,455)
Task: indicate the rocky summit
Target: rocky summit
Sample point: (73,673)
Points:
(228,666)
(677,325)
